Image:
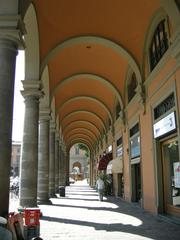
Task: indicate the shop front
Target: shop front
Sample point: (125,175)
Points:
(168,161)
(115,171)
(135,163)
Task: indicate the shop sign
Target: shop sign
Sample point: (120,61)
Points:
(177,174)
(119,152)
(165,125)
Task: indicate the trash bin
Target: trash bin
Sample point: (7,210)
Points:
(32,223)
(32,216)
(62,191)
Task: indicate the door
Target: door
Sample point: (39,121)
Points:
(136,182)
(171,177)
(120,185)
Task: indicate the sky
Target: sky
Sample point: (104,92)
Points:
(18,112)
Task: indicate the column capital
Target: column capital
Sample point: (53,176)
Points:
(32,88)
(12,28)
(52,126)
(44,114)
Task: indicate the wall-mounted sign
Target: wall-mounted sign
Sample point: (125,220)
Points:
(165,125)
(119,152)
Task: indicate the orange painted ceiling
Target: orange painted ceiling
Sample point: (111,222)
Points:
(86,75)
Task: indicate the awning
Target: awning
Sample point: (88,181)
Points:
(115,166)
(102,165)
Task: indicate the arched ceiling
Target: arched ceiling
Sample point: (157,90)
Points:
(88,47)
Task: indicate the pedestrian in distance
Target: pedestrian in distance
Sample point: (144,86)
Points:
(100,188)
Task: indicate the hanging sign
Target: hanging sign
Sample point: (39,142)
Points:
(165,125)
(177,174)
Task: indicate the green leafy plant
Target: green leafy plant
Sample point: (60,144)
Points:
(85,148)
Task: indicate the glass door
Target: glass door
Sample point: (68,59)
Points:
(171,176)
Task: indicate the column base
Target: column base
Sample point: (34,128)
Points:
(44,202)
(53,196)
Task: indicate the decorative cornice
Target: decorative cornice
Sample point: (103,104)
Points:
(12,28)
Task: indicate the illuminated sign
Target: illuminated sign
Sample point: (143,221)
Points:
(165,125)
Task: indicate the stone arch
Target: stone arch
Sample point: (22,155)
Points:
(77,164)
(85,111)
(80,135)
(128,78)
(173,12)
(32,58)
(116,105)
(63,104)
(83,130)
(89,76)
(80,121)
(53,111)
(79,140)
(94,39)
(45,101)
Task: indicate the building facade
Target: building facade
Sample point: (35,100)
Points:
(15,158)
(78,164)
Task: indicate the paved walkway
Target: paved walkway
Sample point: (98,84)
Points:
(80,216)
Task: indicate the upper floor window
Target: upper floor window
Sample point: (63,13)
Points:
(132,87)
(159,44)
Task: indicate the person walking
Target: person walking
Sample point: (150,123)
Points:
(100,188)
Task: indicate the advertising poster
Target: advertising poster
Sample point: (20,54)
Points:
(177,174)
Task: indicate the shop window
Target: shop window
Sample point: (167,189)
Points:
(134,141)
(159,44)
(118,109)
(135,146)
(132,87)
(119,141)
(134,130)
(164,106)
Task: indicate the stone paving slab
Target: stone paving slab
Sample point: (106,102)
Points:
(79,216)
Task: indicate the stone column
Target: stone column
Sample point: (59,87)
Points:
(29,158)
(57,163)
(10,40)
(67,168)
(43,157)
(52,160)
(62,167)
(61,172)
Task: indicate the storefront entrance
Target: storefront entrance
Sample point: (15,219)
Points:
(120,192)
(136,182)
(171,176)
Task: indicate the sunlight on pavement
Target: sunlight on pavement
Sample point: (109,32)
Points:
(93,216)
